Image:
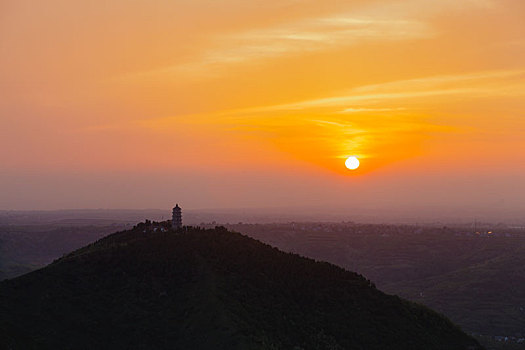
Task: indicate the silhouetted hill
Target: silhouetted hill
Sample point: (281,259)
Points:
(476,280)
(208,289)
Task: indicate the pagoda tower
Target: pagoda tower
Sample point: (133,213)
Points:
(176,219)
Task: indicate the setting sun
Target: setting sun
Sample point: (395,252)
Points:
(352,163)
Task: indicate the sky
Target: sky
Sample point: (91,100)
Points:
(257,104)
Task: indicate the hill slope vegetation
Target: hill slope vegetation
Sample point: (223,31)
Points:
(208,289)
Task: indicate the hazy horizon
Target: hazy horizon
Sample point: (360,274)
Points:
(194,216)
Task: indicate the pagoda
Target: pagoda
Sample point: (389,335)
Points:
(176,219)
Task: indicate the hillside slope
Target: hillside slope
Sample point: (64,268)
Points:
(475,280)
(490,294)
(209,289)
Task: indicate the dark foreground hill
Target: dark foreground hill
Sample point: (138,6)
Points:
(210,289)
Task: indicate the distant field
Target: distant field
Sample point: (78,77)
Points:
(32,239)
(26,248)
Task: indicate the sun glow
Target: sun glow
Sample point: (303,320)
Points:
(352,163)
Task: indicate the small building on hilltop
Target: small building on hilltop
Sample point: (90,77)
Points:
(176,219)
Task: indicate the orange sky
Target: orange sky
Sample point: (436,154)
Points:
(131,104)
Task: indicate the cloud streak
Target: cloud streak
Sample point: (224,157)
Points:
(295,38)
(371,23)
(373,121)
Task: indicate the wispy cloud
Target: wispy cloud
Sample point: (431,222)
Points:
(308,35)
(353,98)
(297,37)
(370,99)
(475,78)
(365,121)
(395,21)
(474,85)
(361,110)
